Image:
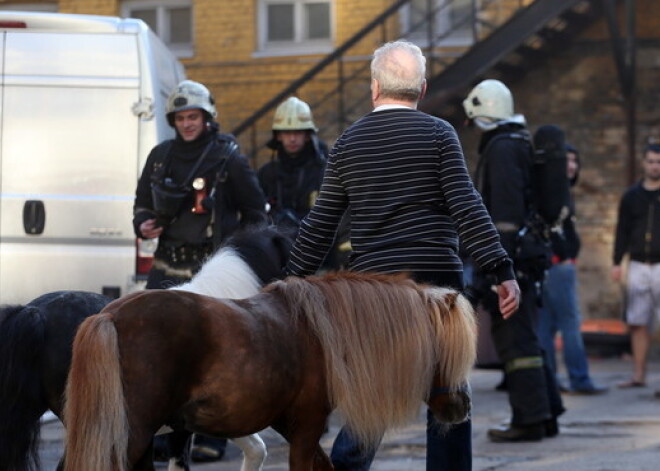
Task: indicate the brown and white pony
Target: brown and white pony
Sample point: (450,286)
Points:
(371,346)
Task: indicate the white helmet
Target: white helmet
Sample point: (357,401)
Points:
(490,99)
(293,114)
(190,95)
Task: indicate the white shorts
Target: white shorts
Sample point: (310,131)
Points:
(643,293)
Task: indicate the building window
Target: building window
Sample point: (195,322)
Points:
(295,26)
(452,22)
(46,7)
(171,20)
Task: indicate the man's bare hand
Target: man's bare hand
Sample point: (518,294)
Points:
(149,230)
(509,297)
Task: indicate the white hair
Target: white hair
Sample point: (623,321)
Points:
(396,78)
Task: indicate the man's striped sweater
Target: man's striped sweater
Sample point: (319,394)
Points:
(402,175)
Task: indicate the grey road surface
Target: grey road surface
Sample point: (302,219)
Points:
(616,431)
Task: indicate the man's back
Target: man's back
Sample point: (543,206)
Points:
(390,168)
(403,175)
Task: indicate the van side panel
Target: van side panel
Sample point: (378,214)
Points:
(69,140)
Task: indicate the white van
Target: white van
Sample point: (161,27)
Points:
(82,102)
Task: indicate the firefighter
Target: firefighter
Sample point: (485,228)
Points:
(505,181)
(194,191)
(292,179)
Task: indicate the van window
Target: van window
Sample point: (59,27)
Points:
(171,20)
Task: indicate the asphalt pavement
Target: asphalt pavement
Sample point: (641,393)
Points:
(615,431)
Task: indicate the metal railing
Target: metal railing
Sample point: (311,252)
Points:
(350,98)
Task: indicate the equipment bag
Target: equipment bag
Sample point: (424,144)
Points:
(533,250)
(551,188)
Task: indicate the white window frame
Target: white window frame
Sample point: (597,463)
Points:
(161,7)
(300,45)
(462,37)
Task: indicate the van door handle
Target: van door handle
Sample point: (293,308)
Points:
(34,217)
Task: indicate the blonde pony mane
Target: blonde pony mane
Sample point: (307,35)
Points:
(384,338)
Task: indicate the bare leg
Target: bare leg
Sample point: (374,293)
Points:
(640,341)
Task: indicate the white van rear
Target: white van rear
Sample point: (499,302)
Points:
(82,102)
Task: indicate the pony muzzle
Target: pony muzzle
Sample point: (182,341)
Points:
(451,405)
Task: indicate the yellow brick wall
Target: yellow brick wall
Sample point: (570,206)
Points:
(89,7)
(224,30)
(225,42)
(647,24)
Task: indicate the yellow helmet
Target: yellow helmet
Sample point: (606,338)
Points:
(190,95)
(293,114)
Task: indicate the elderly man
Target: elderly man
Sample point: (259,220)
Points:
(402,176)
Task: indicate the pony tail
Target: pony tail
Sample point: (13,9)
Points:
(456,332)
(94,389)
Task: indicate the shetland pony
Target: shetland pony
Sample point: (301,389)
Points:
(36,340)
(371,346)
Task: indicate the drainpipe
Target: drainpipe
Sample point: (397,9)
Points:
(631,95)
(625,58)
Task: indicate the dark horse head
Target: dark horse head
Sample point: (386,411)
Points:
(263,248)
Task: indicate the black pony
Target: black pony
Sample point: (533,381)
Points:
(36,339)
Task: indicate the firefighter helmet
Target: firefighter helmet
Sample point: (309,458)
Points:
(189,95)
(293,115)
(490,99)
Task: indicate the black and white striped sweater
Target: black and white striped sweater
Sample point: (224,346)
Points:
(403,176)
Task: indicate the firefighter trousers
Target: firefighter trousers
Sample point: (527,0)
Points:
(532,387)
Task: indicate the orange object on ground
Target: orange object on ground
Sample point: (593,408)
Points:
(608,326)
(605,337)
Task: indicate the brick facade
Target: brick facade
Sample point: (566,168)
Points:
(225,42)
(89,7)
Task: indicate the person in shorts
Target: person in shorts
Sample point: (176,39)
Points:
(638,236)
